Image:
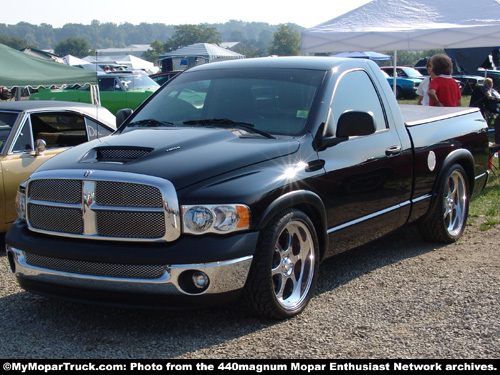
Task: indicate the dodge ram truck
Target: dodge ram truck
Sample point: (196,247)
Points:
(236,180)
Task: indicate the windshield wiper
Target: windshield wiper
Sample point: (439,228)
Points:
(149,123)
(224,122)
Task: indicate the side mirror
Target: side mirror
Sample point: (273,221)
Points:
(122,115)
(41,146)
(350,124)
(354,123)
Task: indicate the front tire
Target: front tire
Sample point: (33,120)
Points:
(447,220)
(399,93)
(284,272)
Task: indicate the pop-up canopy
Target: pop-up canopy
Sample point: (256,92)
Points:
(197,53)
(18,69)
(392,25)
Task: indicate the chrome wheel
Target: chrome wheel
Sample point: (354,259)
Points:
(446,220)
(284,271)
(455,204)
(293,265)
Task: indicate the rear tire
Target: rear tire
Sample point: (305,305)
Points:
(284,271)
(448,218)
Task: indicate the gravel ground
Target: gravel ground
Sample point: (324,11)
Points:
(399,297)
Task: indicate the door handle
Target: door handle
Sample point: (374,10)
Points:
(315,165)
(393,150)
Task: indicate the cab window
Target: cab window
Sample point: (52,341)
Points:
(356,92)
(56,129)
(7,121)
(24,142)
(96,130)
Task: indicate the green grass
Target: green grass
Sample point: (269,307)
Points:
(465,101)
(484,209)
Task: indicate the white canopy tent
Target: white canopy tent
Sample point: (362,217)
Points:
(198,53)
(392,25)
(76,61)
(383,25)
(130,61)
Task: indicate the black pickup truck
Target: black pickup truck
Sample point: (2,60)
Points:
(237,179)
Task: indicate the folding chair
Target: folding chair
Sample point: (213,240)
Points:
(487,106)
(491,165)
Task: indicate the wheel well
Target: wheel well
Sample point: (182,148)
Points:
(461,157)
(305,201)
(465,159)
(318,224)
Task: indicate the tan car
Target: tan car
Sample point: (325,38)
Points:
(31,132)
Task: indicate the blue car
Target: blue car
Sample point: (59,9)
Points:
(405,87)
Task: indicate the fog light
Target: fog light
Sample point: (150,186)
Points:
(200,280)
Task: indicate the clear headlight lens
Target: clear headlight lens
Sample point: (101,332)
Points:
(213,218)
(21,202)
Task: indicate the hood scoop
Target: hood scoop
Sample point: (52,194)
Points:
(121,154)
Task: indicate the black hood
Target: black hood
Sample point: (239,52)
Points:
(182,155)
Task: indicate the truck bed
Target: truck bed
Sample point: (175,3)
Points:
(414,115)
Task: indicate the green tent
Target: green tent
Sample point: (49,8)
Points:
(18,69)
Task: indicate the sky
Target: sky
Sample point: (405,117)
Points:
(59,12)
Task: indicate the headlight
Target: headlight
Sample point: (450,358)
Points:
(214,218)
(21,201)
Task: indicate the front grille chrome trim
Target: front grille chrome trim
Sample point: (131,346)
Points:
(163,210)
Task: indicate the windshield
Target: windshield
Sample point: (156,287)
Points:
(126,82)
(7,120)
(272,101)
(411,72)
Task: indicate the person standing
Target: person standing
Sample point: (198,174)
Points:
(443,89)
(423,88)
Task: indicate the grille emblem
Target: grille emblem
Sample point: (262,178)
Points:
(88,173)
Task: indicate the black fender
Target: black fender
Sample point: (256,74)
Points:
(461,156)
(305,200)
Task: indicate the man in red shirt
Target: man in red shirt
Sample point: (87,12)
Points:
(443,89)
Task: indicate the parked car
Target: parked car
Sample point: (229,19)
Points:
(404,72)
(405,87)
(117,90)
(162,77)
(31,132)
(467,82)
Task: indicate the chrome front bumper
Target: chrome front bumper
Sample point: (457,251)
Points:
(221,277)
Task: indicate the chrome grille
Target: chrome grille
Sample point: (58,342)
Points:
(105,205)
(108,193)
(131,225)
(67,220)
(61,191)
(130,271)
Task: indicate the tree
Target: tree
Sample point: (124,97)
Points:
(14,42)
(286,42)
(157,48)
(72,46)
(186,35)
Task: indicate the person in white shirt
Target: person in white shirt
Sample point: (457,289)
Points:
(423,88)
